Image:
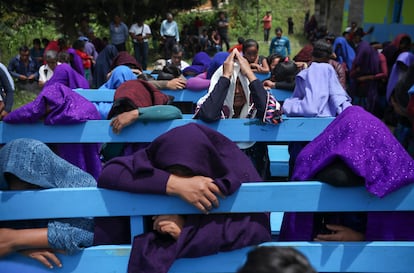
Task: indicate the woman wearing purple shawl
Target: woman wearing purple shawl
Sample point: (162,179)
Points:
(383,166)
(202,81)
(76,61)
(59,104)
(181,162)
(363,89)
(200,64)
(67,76)
(404,60)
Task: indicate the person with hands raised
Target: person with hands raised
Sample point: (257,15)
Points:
(200,166)
(235,92)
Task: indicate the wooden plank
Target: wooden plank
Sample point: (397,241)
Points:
(99,131)
(325,257)
(264,196)
(107,95)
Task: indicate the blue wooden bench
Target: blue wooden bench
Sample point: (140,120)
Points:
(257,197)
(278,154)
(184,95)
(275,196)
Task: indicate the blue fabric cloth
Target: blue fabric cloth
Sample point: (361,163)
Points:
(344,52)
(33,162)
(120,74)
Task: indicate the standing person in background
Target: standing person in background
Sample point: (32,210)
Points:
(140,33)
(79,47)
(119,33)
(267,25)
(223,30)
(280,44)
(170,34)
(36,52)
(290,25)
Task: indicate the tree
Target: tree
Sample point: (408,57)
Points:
(66,14)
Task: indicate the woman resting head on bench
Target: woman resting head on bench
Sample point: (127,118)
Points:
(355,149)
(30,164)
(199,165)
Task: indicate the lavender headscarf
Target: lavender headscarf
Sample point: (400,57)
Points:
(317,93)
(406,58)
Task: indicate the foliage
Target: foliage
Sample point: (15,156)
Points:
(65,14)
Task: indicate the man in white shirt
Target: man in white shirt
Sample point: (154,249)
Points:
(177,53)
(46,70)
(140,33)
(170,34)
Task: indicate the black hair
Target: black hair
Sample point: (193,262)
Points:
(321,49)
(78,44)
(24,48)
(250,43)
(285,71)
(271,259)
(63,57)
(273,56)
(177,48)
(278,29)
(36,41)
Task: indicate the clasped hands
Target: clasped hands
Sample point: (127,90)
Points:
(236,57)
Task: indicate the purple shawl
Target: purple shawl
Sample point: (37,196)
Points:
(200,64)
(59,104)
(406,58)
(205,152)
(367,62)
(76,61)
(67,76)
(367,147)
(216,62)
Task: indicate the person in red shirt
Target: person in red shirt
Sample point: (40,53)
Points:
(267,25)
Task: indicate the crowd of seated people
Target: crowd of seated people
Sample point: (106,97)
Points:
(337,76)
